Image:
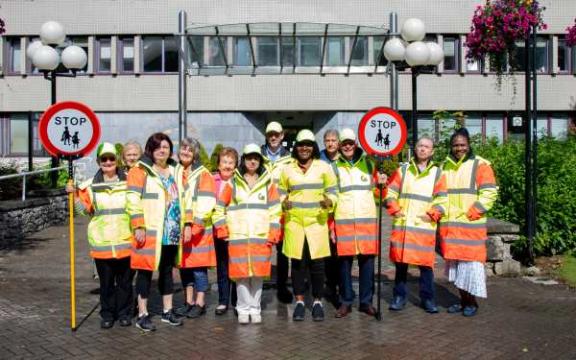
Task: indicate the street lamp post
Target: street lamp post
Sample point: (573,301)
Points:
(416,54)
(47,54)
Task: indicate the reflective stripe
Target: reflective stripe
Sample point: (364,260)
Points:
(136,216)
(462,225)
(441,193)
(316,186)
(465,242)
(487,186)
(331,189)
(248,207)
(439,208)
(416,247)
(394,188)
(282,192)
(134,188)
(415,197)
(221,203)
(473,175)
(145,252)
(356,237)
(150,196)
(198,249)
(242,260)
(258,241)
(100,187)
(462,191)
(116,211)
(355,187)
(274,226)
(220,222)
(206,193)
(414,229)
(479,205)
(355,221)
(110,247)
(151,233)
(273,202)
(198,220)
(303,205)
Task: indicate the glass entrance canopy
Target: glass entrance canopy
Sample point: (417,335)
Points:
(285,48)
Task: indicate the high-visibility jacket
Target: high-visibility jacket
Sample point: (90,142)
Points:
(472,191)
(146,205)
(109,232)
(306,219)
(199,199)
(416,193)
(355,215)
(275,167)
(252,216)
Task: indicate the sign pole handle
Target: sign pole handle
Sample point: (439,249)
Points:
(72,250)
(378,314)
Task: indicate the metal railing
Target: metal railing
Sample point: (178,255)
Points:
(30,173)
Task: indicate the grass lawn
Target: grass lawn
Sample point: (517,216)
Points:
(567,270)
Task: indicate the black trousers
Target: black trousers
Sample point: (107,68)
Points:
(281,267)
(304,268)
(332,264)
(115,288)
(165,281)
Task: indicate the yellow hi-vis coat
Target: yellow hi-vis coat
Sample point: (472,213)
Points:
(252,216)
(109,232)
(472,191)
(146,205)
(355,215)
(199,199)
(416,193)
(306,219)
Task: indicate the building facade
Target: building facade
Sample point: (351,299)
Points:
(131,79)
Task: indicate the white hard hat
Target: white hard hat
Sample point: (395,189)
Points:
(347,134)
(251,149)
(106,148)
(305,135)
(274,127)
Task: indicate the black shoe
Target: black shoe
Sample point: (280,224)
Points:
(318,312)
(299,312)
(144,323)
(221,311)
(171,318)
(397,303)
(125,322)
(284,295)
(429,306)
(106,324)
(196,311)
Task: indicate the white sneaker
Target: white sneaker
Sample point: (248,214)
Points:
(243,319)
(256,319)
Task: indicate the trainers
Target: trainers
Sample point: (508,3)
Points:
(196,311)
(397,303)
(256,318)
(318,312)
(454,309)
(171,318)
(299,312)
(429,306)
(145,324)
(469,311)
(243,319)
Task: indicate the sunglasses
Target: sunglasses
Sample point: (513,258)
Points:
(105,158)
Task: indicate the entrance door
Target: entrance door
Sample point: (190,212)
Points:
(292,123)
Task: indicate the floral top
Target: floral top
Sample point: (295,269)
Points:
(171,234)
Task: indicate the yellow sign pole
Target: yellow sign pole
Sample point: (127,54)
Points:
(72,259)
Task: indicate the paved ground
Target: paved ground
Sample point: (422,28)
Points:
(520,320)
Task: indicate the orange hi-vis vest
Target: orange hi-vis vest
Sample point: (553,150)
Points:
(421,196)
(109,232)
(146,205)
(355,215)
(199,197)
(472,191)
(252,216)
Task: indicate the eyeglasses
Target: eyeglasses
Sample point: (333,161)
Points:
(105,158)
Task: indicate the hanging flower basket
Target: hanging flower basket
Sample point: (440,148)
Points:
(497,26)
(571,35)
(2,27)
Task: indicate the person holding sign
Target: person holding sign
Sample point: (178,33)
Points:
(155,209)
(104,199)
(416,200)
(472,191)
(356,222)
(251,198)
(308,194)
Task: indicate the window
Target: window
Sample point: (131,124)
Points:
(309,50)
(288,52)
(103,55)
(541,60)
(14,135)
(196,44)
(474,125)
(426,126)
(542,126)
(268,51)
(242,51)
(379,58)
(559,126)
(473,66)
(215,48)
(563,56)
(13,54)
(159,54)
(451,54)
(81,41)
(335,51)
(360,51)
(126,55)
(495,127)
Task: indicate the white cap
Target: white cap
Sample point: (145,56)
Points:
(106,148)
(347,134)
(274,127)
(251,149)
(305,135)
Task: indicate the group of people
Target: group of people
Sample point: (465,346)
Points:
(159,212)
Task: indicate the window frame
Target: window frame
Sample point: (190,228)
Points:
(98,55)
(120,44)
(162,71)
(457,50)
(8,51)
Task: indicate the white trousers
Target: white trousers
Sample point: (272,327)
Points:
(249,293)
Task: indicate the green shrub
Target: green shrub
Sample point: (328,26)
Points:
(9,188)
(214,157)
(204,159)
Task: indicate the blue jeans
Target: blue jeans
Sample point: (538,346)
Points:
(196,277)
(426,281)
(224,283)
(366,264)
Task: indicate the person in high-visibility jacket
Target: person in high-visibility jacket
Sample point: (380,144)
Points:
(308,193)
(199,197)
(416,199)
(156,212)
(252,220)
(356,222)
(277,157)
(472,191)
(104,199)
